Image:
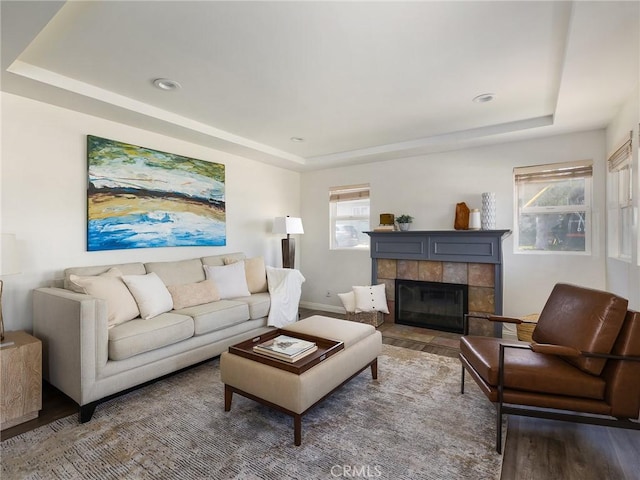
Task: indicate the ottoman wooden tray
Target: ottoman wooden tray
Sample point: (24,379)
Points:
(326,348)
(294,388)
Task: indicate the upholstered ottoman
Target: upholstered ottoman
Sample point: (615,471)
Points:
(294,393)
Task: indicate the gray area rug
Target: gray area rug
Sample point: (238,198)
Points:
(410,423)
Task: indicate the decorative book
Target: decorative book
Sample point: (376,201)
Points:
(286,348)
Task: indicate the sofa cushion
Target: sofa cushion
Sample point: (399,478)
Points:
(582,318)
(193,294)
(259,304)
(177,273)
(150,293)
(255,273)
(216,315)
(230,280)
(121,306)
(139,336)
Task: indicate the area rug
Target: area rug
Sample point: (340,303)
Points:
(410,423)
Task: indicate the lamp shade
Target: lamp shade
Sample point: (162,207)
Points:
(287,225)
(9,261)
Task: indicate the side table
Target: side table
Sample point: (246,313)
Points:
(20,378)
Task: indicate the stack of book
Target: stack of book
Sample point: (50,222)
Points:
(286,348)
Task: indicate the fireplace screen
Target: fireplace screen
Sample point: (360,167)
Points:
(441,306)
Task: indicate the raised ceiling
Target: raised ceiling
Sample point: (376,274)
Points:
(358,81)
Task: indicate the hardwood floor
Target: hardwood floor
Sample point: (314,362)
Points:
(535,448)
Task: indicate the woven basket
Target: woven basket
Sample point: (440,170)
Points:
(372,318)
(525,330)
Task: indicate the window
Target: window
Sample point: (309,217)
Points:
(349,217)
(553,208)
(620,202)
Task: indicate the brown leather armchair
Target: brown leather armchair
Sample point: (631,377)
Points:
(582,366)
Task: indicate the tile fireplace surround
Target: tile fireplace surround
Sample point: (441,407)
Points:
(471,257)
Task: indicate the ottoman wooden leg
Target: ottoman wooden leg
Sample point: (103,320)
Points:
(374,369)
(228,395)
(297,430)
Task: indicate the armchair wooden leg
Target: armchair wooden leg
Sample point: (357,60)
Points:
(462,381)
(499,427)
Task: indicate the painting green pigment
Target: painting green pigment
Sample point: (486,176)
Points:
(141,198)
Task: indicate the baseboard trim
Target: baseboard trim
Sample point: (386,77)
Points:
(323,307)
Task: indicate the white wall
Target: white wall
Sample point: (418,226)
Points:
(43,181)
(623,278)
(428,187)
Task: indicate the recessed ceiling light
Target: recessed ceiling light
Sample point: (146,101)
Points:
(166,84)
(297,139)
(485,97)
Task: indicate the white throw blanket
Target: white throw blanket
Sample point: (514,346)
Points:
(285,288)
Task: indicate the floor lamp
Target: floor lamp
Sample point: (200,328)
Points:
(9,265)
(288,225)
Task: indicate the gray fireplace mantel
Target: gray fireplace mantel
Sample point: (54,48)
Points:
(469,246)
(464,246)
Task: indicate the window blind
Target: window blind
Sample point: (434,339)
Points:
(621,157)
(350,192)
(554,172)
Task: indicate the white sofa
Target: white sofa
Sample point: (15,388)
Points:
(91,361)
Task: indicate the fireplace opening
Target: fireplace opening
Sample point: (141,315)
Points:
(440,306)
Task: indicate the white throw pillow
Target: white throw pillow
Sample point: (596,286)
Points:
(348,301)
(121,306)
(150,293)
(372,298)
(230,280)
(255,272)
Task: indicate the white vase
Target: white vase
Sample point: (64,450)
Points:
(404,226)
(488,215)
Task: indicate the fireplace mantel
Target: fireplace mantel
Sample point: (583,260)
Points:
(468,246)
(445,246)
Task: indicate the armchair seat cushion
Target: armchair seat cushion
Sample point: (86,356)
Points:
(529,371)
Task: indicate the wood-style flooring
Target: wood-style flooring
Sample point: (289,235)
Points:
(535,449)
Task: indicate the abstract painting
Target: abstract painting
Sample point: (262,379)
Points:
(141,198)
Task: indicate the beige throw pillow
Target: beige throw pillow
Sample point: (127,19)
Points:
(150,293)
(255,272)
(121,306)
(192,294)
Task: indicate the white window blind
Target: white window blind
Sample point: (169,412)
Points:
(553,207)
(620,201)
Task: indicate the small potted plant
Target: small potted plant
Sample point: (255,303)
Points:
(404,221)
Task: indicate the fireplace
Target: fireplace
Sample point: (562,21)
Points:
(472,258)
(436,305)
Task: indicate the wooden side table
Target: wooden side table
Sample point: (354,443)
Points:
(20,379)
